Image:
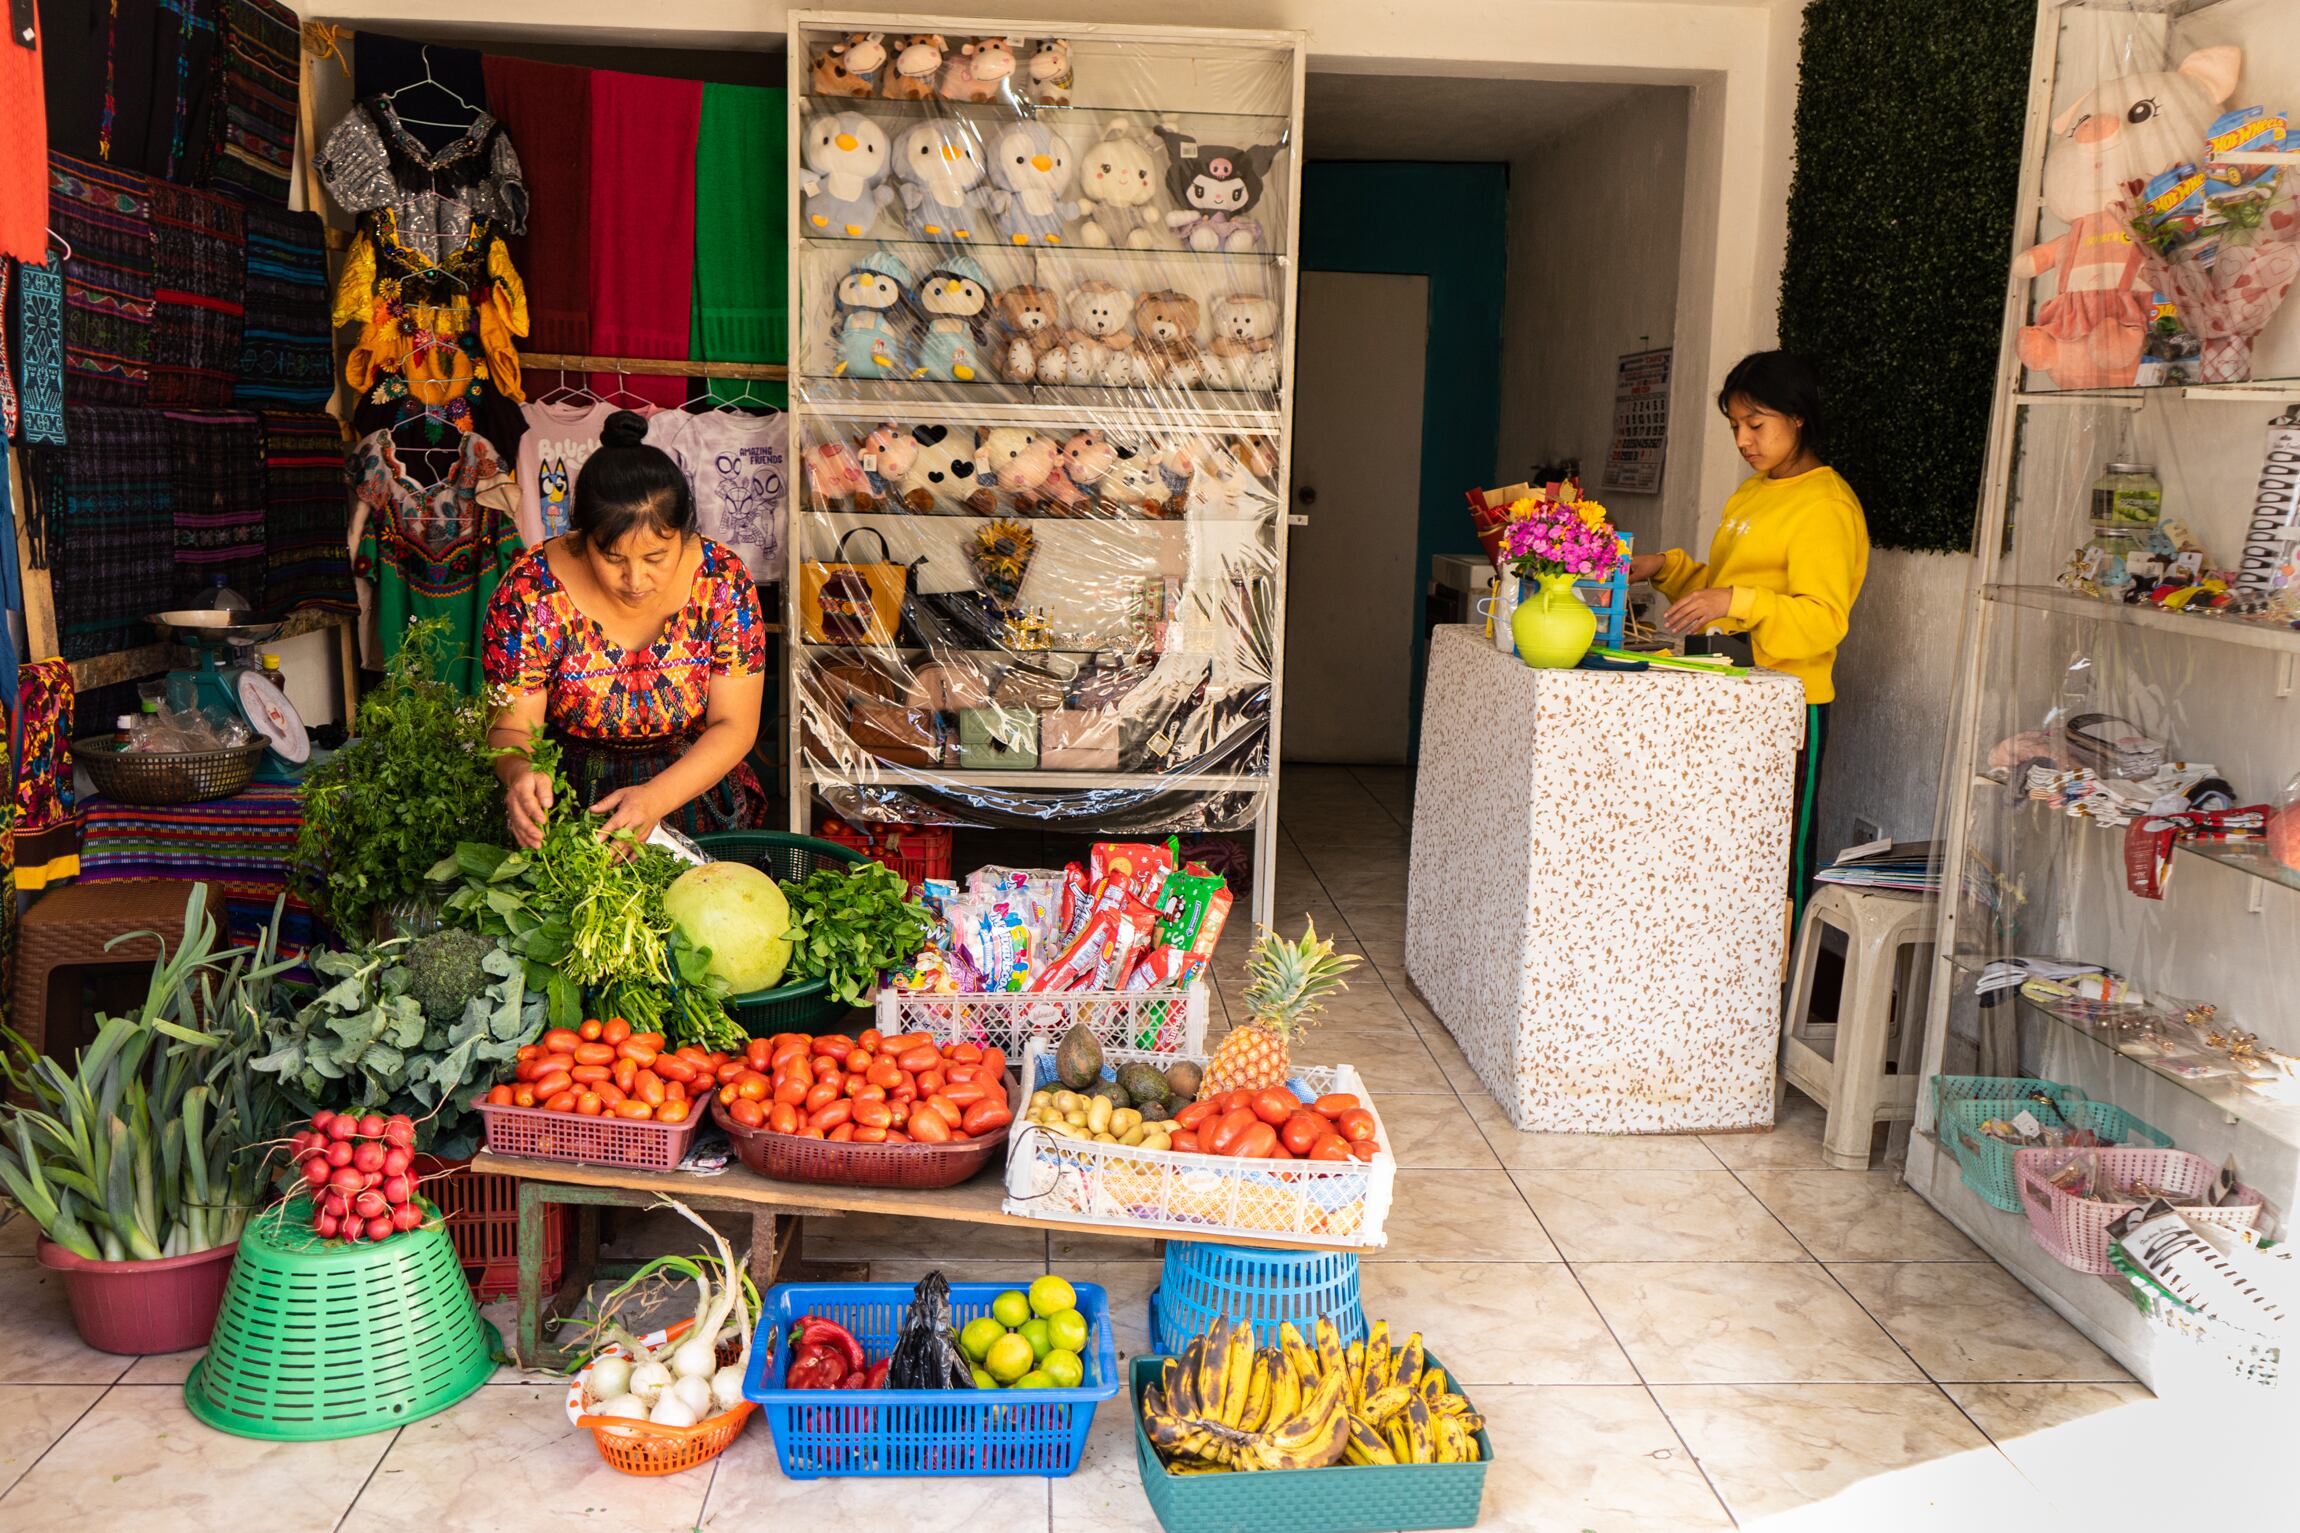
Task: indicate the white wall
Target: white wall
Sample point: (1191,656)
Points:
(1576,304)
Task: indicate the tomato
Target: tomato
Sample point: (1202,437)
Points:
(523,1096)
(1275,1105)
(965,1093)
(528,1051)
(747,1112)
(592,1027)
(901,1111)
(963,1053)
(783,1118)
(951,1113)
(906,1091)
(673,1091)
(1301,1131)
(753,1086)
(1196,1113)
(812,1133)
(1330,1146)
(1186,1142)
(832,1116)
(1254,1143)
(873,1115)
(499,1097)
(929,1127)
(788,1052)
(649,1089)
(1224,1137)
(842,1132)
(1364,1149)
(929,1082)
(923,1057)
(623,1072)
(826,1069)
(590,1075)
(860,1061)
(833,1046)
(1278,1151)
(992,1070)
(758,1055)
(587,1105)
(869,1038)
(615,1031)
(733,1069)
(1357,1125)
(549,1086)
(958,1073)
(563,1101)
(527,1069)
(637,1112)
(561,1040)
(791,1090)
(821,1096)
(673,1068)
(610,1094)
(897,1136)
(865,1134)
(981,1118)
(869,1093)
(885,1074)
(672,1112)
(900,1042)
(1334,1103)
(697,1057)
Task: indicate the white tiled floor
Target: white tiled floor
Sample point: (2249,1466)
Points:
(1665,1334)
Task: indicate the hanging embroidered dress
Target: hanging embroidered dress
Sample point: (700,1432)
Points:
(435,550)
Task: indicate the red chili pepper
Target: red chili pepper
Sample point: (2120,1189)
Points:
(815,1370)
(876,1378)
(815,1330)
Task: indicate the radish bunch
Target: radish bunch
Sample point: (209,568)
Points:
(359,1171)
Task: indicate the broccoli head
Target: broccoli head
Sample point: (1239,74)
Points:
(445,972)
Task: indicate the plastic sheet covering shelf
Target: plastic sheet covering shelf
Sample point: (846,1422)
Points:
(1041,305)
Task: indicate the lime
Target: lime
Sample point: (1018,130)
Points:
(1063,1367)
(983,1380)
(1034,1380)
(1009,1358)
(980,1332)
(1040,1339)
(1068,1330)
(1012,1307)
(1050,1295)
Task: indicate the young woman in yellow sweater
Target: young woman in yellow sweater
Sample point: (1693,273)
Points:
(1786,564)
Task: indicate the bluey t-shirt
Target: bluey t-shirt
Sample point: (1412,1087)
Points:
(559,437)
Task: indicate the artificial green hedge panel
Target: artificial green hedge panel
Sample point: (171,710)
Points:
(1909,118)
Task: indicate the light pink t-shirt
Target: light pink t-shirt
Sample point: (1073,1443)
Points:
(739,466)
(559,437)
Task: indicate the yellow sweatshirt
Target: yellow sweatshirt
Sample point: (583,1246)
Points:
(1794,552)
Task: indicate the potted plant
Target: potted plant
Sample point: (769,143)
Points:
(1557,539)
(140,1158)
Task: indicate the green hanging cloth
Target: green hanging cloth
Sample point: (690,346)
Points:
(742,249)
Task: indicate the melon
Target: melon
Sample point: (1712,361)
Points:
(739,913)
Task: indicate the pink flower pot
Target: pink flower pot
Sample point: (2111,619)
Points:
(137,1307)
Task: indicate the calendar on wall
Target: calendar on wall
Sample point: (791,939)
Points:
(1640,423)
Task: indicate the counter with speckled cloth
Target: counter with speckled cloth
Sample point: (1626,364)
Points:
(1594,908)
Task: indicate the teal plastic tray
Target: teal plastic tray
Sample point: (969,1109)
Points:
(1348,1498)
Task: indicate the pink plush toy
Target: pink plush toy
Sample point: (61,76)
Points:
(2091,332)
(834,476)
(884,457)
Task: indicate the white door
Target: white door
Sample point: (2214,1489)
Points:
(1356,503)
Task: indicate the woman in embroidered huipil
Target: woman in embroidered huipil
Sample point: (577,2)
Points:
(638,644)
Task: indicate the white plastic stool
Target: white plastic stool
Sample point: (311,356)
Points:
(1846,1072)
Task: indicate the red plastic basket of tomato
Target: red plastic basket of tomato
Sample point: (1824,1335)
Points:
(869,1111)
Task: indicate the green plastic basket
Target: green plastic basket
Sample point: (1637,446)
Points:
(1989,1165)
(1348,1498)
(801,1008)
(321,1339)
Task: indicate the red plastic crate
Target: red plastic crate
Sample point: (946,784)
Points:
(482,1213)
(917,852)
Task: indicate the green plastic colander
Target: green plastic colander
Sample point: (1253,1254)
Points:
(321,1339)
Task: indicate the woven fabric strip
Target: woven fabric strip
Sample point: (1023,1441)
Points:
(285,356)
(262,45)
(220,504)
(110,504)
(105,217)
(199,295)
(306,512)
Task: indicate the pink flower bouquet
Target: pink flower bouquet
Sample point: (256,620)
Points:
(1560,535)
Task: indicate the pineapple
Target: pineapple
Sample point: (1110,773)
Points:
(1286,983)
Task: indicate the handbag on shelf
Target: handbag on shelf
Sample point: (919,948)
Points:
(2114,747)
(1038,684)
(1076,740)
(998,739)
(843,683)
(948,620)
(895,734)
(1104,680)
(846,601)
(953,683)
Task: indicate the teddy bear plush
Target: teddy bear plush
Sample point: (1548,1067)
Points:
(850,66)
(1100,349)
(1166,325)
(834,476)
(1012,461)
(1244,354)
(1227,479)
(1050,72)
(1030,166)
(913,61)
(844,183)
(1030,328)
(1214,187)
(979,70)
(938,164)
(1118,183)
(953,297)
(871,297)
(883,457)
(940,471)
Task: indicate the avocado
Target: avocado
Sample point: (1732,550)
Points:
(1078,1059)
(1143,1083)
(1182,1080)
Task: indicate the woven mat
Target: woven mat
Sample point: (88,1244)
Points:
(239,844)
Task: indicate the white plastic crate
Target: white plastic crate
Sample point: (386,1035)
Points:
(1157,1021)
(1312,1202)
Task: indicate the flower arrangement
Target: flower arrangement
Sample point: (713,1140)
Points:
(1558,533)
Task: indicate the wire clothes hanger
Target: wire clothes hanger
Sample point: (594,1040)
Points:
(433,81)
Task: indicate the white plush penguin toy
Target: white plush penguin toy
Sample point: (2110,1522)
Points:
(844,183)
(1033,167)
(940,167)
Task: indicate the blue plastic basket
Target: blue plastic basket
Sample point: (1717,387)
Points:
(1203,1282)
(920,1432)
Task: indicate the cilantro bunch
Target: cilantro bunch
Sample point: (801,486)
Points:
(847,925)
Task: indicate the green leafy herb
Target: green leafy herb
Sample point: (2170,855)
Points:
(848,925)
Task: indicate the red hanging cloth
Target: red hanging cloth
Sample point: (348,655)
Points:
(643,133)
(547,109)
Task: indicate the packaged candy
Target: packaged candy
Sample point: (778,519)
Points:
(1077,903)
(1116,936)
(1035,892)
(1204,939)
(935,893)
(1135,862)
(1183,901)
(929,974)
(1075,966)
(1160,968)
(996,941)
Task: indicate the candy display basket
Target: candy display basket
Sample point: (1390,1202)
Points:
(1155,1021)
(2075,1230)
(1329,1203)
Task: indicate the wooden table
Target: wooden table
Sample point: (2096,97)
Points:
(775,1209)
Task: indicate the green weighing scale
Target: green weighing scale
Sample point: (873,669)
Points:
(226,680)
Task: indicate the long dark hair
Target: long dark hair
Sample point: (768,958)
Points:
(1785,383)
(626,485)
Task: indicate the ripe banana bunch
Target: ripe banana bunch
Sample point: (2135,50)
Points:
(1225,1404)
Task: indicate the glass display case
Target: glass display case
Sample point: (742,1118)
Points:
(2120,922)
(1040,377)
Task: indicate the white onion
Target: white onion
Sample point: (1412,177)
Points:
(671,1411)
(695,1359)
(610,1376)
(629,1407)
(727,1387)
(649,1379)
(696,1394)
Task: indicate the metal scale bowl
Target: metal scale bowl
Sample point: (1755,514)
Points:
(226,678)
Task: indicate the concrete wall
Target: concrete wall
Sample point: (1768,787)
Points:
(1575,305)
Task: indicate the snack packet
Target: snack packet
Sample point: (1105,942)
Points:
(995,941)
(1135,862)
(1203,940)
(1183,901)
(928,974)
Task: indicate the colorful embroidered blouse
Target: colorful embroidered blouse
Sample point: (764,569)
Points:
(432,550)
(538,640)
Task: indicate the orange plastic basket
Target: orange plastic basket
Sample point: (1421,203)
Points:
(643,1448)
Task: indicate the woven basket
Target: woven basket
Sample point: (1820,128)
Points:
(793,1158)
(2075,1230)
(643,1448)
(166,777)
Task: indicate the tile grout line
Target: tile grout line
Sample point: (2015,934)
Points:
(1716,1491)
(372,1471)
(86,1411)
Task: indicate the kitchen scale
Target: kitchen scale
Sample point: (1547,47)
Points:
(225,679)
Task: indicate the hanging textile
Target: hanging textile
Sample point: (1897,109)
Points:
(109,502)
(11,589)
(373,162)
(742,259)
(38,323)
(560,437)
(199,295)
(187,117)
(262,78)
(547,110)
(105,216)
(739,466)
(286,353)
(23,152)
(98,76)
(46,833)
(8,405)
(308,565)
(642,224)
(432,550)
(219,504)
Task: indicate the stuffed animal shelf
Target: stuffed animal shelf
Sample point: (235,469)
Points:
(884,456)
(1244,353)
(938,164)
(1011,461)
(871,299)
(844,183)
(953,298)
(1030,165)
(1050,72)
(1118,185)
(940,474)
(1214,187)
(1166,328)
(850,67)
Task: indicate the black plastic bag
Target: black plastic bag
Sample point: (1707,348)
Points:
(926,1354)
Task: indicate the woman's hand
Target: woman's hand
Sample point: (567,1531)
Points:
(634,809)
(1644,567)
(527,801)
(1696,610)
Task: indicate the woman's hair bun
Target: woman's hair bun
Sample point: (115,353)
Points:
(625,428)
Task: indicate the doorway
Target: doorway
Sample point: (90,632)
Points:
(1351,549)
